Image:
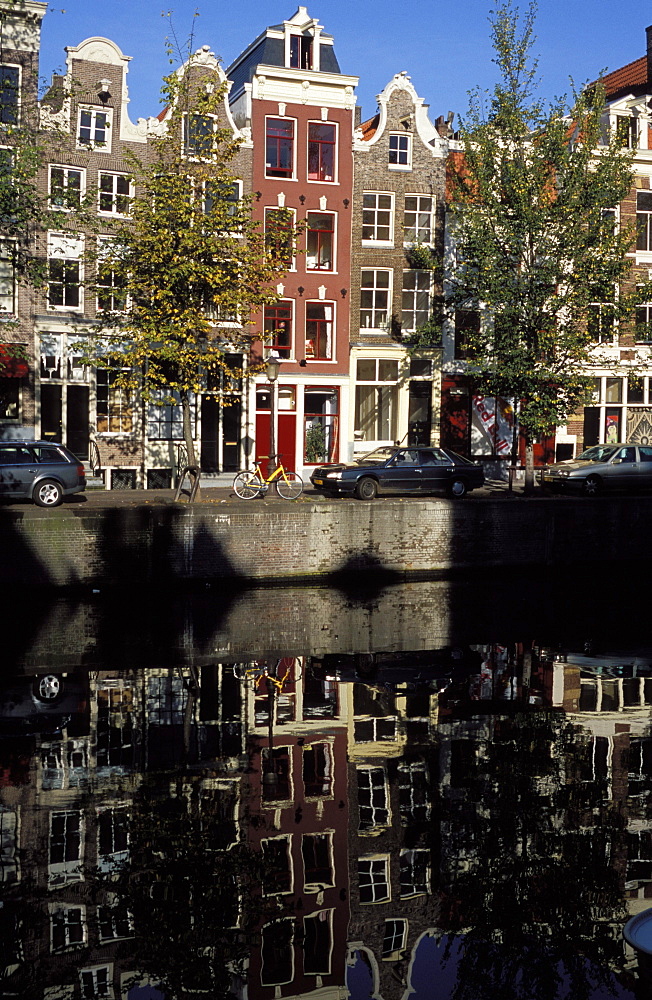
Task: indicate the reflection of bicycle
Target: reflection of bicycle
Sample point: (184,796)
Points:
(248,485)
(287,669)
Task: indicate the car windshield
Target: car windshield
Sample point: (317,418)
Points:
(599,453)
(377,456)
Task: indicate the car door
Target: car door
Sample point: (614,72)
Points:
(645,466)
(17,470)
(402,474)
(621,472)
(436,470)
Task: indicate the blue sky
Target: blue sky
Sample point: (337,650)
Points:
(444,45)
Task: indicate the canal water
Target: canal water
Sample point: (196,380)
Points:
(438,790)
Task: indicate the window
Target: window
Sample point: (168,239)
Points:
(115,727)
(7,280)
(373,879)
(115,922)
(67,927)
(417,219)
(321,151)
(375,300)
(316,849)
(165,420)
(394,939)
(279,148)
(467,327)
(198,135)
(378,218)
(643,323)
(373,802)
(374,730)
(66,187)
(376,402)
(279,235)
(416,299)
(9,398)
(400,150)
(627,131)
(277,948)
(413,793)
(113,838)
(276,767)
(277,325)
(644,220)
(317,770)
(231,193)
(111,290)
(116,191)
(319,331)
(277,866)
(301,52)
(317,943)
(65,848)
(114,404)
(96,982)
(321,423)
(414,866)
(9,94)
(320,242)
(94,129)
(8,845)
(65,272)
(601,316)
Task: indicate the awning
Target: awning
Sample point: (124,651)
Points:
(10,365)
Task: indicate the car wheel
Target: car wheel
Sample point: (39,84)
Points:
(48,688)
(47,494)
(366,489)
(592,486)
(458,488)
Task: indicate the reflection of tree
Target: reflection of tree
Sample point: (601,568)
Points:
(535,884)
(188,887)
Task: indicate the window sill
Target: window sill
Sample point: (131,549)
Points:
(404,168)
(388,244)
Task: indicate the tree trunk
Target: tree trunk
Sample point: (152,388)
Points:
(528,486)
(187,435)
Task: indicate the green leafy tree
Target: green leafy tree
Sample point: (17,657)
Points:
(188,270)
(537,249)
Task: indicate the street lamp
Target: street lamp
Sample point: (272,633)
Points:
(272,365)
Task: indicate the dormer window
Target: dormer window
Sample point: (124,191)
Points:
(301,52)
(627,131)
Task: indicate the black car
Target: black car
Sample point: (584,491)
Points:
(400,470)
(39,470)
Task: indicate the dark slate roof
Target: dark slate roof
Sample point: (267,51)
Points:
(271,52)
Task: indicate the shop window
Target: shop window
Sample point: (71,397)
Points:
(400,151)
(320,242)
(279,148)
(277,325)
(492,426)
(319,331)
(376,399)
(321,424)
(321,151)
(9,94)
(94,129)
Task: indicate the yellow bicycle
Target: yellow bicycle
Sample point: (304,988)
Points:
(248,485)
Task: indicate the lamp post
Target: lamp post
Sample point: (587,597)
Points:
(272,366)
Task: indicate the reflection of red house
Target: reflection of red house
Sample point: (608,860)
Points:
(298,800)
(288,89)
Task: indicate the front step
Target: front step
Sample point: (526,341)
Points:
(93,482)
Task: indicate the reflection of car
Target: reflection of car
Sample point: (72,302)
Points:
(602,467)
(42,470)
(400,470)
(45,702)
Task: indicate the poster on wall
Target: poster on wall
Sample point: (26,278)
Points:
(492,426)
(612,426)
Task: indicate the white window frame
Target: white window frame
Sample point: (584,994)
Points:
(9,829)
(94,145)
(69,249)
(122,399)
(414,294)
(61,908)
(110,910)
(381,863)
(8,286)
(114,194)
(396,930)
(380,816)
(377,325)
(407,153)
(372,211)
(93,972)
(106,862)
(418,213)
(407,860)
(383,389)
(66,171)
(62,872)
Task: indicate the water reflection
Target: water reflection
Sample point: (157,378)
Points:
(463,822)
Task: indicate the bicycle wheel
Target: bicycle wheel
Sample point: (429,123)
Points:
(289,486)
(247,485)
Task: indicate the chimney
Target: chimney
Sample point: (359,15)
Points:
(648,33)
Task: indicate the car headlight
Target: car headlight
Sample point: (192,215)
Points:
(564,473)
(333,475)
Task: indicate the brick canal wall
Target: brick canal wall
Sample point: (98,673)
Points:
(280,541)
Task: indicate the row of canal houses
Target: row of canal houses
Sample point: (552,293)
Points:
(369,353)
